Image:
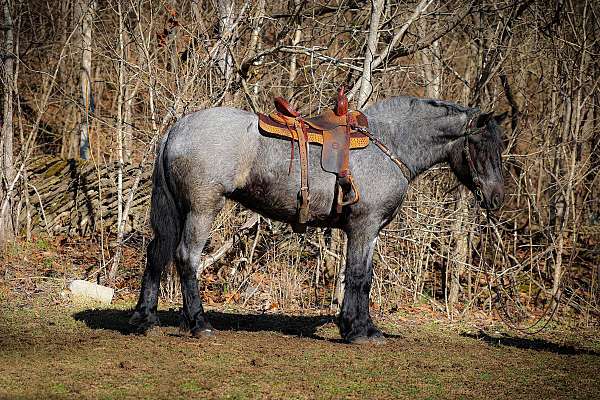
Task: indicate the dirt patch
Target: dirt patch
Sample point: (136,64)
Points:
(66,351)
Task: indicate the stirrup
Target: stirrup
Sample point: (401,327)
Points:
(340,203)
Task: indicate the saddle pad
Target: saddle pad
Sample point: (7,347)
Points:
(271,127)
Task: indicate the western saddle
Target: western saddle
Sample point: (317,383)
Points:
(337,130)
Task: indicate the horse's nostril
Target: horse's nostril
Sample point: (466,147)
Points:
(496,200)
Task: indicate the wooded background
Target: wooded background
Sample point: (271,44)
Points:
(89,87)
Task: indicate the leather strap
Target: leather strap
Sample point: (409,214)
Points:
(403,168)
(344,180)
(320,130)
(472,170)
(303,195)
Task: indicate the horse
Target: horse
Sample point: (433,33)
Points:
(215,154)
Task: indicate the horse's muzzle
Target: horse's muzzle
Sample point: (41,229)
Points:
(492,200)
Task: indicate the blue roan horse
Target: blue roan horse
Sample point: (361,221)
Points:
(218,153)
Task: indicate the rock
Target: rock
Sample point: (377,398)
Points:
(102,294)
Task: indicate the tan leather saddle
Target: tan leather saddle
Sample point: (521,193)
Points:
(336,131)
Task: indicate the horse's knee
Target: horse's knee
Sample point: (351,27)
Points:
(158,254)
(153,256)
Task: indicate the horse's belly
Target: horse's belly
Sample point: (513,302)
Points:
(276,197)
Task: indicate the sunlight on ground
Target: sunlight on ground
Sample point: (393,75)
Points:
(77,351)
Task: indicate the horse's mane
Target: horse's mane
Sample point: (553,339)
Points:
(398,107)
(396,110)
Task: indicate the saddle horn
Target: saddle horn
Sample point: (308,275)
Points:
(341,107)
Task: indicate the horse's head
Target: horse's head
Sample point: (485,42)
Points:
(479,164)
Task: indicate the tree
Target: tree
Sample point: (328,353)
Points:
(223,56)
(7,170)
(84,11)
(366,87)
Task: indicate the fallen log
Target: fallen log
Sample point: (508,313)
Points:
(73,194)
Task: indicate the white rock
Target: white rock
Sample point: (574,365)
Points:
(91,290)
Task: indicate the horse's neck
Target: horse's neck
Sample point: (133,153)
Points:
(421,142)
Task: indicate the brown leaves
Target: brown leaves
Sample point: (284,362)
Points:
(171,23)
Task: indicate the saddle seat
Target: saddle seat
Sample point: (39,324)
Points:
(334,129)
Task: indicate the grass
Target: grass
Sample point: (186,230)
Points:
(67,351)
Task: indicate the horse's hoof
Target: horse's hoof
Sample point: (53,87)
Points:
(204,333)
(143,323)
(136,319)
(378,340)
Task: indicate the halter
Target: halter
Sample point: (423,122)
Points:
(470,131)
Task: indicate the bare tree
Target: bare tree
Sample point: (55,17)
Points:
(223,55)
(294,58)
(120,144)
(7,170)
(479,54)
(84,11)
(366,87)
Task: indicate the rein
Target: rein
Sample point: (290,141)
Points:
(403,167)
(505,316)
(472,170)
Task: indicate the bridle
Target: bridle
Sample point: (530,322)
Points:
(471,130)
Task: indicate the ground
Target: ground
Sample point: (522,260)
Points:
(61,349)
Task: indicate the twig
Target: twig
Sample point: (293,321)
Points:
(226,247)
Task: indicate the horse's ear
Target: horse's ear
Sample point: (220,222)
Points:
(500,118)
(483,119)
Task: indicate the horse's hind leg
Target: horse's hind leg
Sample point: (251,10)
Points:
(144,316)
(196,230)
(160,251)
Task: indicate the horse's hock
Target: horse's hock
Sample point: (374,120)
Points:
(68,196)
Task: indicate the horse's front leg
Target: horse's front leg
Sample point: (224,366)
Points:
(355,322)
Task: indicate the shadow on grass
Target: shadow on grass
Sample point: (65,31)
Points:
(301,326)
(529,344)
(293,325)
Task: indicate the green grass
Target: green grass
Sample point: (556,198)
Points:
(67,351)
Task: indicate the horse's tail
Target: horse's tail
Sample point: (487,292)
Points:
(166,224)
(164,213)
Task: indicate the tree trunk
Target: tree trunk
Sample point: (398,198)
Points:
(366,87)
(224,57)
(129,93)
(120,153)
(294,59)
(461,248)
(7,171)
(433,71)
(85,11)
